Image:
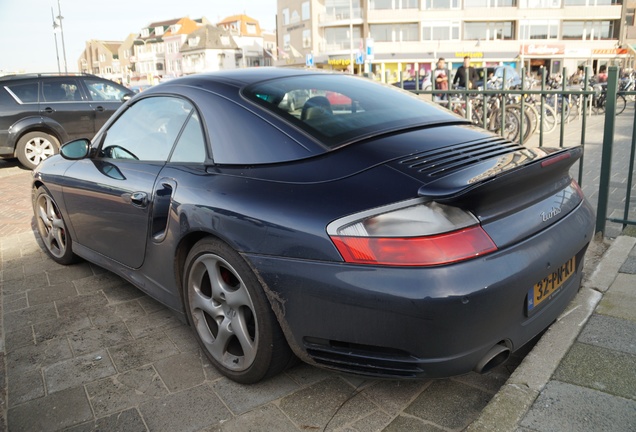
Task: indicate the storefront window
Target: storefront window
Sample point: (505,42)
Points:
(498,30)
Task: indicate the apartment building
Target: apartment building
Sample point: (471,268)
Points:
(180,46)
(101,58)
(386,37)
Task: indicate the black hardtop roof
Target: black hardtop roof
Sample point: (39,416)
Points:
(43,74)
(240,77)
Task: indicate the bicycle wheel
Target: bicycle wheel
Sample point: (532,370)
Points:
(527,120)
(621,103)
(511,127)
(549,119)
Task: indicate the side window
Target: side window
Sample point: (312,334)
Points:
(60,90)
(24,93)
(104,91)
(191,144)
(147,130)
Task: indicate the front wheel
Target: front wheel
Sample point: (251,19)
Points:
(231,316)
(34,147)
(52,229)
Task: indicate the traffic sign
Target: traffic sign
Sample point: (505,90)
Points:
(359,58)
(309,60)
(369,51)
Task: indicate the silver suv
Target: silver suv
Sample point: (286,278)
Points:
(38,112)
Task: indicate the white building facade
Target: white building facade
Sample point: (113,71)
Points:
(408,36)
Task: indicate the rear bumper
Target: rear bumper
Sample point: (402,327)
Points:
(422,322)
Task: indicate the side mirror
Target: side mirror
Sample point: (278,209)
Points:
(76,149)
(127,97)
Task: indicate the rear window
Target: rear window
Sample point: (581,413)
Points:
(338,109)
(24,93)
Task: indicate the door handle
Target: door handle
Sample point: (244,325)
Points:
(139,199)
(48,110)
(99,108)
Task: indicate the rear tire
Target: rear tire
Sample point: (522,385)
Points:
(33,147)
(231,316)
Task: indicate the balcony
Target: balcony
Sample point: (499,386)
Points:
(335,47)
(340,17)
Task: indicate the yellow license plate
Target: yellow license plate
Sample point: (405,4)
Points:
(545,288)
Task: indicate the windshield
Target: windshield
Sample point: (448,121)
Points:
(338,109)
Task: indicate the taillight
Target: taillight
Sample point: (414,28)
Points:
(410,234)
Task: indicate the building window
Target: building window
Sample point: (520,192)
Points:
(629,17)
(286,41)
(145,32)
(441,4)
(539,29)
(540,4)
(286,16)
(440,30)
(489,3)
(307,38)
(158,31)
(393,4)
(337,38)
(102,58)
(295,18)
(394,32)
(588,30)
(305,11)
(491,30)
(592,2)
(250,28)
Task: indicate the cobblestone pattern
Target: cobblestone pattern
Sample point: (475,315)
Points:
(84,350)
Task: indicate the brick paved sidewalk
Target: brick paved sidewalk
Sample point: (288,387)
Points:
(85,350)
(15,213)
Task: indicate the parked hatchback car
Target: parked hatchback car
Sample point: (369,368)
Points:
(412,84)
(387,238)
(40,111)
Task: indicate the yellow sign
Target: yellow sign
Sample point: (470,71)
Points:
(469,54)
(339,62)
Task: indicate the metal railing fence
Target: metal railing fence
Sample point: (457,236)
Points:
(504,111)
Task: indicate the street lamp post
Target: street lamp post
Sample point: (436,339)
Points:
(60,18)
(57,52)
(351,35)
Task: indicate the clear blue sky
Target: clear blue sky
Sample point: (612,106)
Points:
(27,42)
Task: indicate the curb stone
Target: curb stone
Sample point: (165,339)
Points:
(511,403)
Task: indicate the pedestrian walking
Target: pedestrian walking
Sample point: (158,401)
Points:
(466,76)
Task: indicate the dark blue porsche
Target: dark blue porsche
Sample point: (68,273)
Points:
(380,235)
